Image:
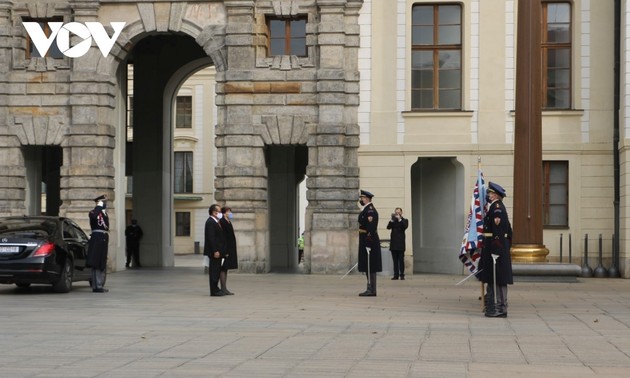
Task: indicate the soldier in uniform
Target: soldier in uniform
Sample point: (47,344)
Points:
(370,263)
(498,235)
(98,244)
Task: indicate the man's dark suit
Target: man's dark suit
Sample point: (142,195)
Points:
(214,241)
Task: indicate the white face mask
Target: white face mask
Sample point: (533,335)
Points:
(219,215)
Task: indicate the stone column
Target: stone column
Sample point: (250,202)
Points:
(241,172)
(88,148)
(333,174)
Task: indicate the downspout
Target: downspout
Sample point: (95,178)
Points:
(614,269)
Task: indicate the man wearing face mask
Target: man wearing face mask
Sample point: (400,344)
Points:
(369,243)
(98,244)
(214,248)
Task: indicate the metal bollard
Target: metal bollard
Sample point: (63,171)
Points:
(586,270)
(570,257)
(613,271)
(561,248)
(600,271)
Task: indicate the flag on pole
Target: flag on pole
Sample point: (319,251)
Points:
(472,242)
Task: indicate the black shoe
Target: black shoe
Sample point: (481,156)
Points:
(226,292)
(395,278)
(496,314)
(402,278)
(367,293)
(127,265)
(100,290)
(217,294)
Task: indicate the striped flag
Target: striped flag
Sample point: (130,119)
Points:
(472,242)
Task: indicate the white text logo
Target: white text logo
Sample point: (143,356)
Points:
(61,33)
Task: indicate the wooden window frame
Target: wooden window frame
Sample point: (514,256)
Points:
(435,47)
(182,226)
(545,46)
(53,48)
(546,194)
(287,34)
(183,114)
(185,179)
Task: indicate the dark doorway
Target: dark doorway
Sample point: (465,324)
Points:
(43,173)
(437,207)
(286,167)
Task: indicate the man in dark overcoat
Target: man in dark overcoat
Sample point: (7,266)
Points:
(497,232)
(133,234)
(98,244)
(214,248)
(398,224)
(370,263)
(231,257)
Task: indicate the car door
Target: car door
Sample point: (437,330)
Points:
(77,241)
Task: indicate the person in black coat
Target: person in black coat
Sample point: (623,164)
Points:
(98,244)
(497,232)
(133,234)
(398,225)
(370,263)
(231,259)
(214,248)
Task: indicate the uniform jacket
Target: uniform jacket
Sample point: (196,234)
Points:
(368,237)
(496,222)
(231,259)
(99,239)
(397,236)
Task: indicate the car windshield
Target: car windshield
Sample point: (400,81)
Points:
(36,228)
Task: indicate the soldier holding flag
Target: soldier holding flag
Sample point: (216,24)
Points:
(496,261)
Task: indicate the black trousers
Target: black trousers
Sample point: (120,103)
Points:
(133,252)
(214,273)
(399,263)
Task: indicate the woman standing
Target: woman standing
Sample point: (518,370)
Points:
(231,260)
(398,225)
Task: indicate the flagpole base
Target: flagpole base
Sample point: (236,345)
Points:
(529,253)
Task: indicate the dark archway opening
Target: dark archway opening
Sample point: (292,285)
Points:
(43,177)
(156,60)
(286,167)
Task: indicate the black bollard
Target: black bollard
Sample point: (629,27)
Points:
(600,271)
(613,271)
(586,270)
(570,252)
(561,248)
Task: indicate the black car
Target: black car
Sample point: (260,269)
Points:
(42,250)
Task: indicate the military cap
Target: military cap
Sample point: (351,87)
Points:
(100,198)
(365,193)
(496,188)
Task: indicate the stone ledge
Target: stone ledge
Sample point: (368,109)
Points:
(547,269)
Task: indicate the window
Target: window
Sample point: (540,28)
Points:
(183,172)
(556,55)
(287,36)
(53,51)
(556,193)
(436,57)
(183,112)
(182,223)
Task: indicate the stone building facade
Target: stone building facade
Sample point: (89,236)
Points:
(279,117)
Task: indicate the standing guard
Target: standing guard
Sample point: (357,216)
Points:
(98,244)
(369,243)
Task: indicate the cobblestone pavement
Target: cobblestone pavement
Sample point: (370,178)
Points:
(162,323)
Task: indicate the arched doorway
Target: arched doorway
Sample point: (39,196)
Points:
(438,211)
(161,63)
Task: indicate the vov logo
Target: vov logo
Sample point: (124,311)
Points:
(61,33)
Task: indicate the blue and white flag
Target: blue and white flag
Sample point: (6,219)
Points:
(472,242)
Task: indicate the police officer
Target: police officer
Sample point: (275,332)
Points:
(98,244)
(498,235)
(369,262)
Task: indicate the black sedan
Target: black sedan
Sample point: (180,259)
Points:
(42,250)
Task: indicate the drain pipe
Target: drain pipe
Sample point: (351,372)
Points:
(614,269)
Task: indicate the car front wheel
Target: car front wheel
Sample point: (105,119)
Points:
(64,283)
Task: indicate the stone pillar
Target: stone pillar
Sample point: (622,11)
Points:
(12,170)
(88,149)
(333,174)
(241,171)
